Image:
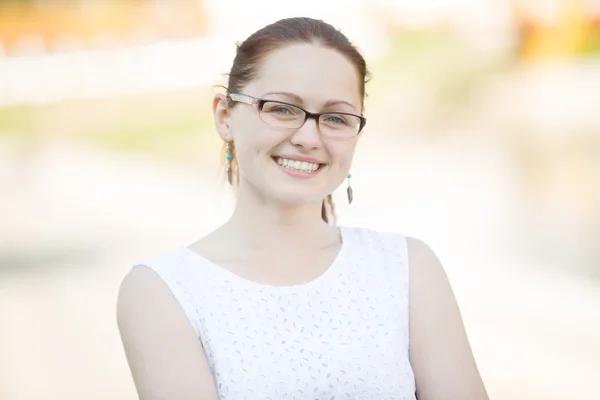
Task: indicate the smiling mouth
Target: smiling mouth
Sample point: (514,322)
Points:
(299,166)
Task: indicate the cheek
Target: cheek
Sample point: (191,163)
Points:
(343,153)
(254,141)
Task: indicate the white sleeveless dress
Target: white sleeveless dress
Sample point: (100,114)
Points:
(343,335)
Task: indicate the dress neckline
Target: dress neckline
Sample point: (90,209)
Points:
(195,257)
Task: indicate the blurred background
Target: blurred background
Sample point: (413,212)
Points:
(483,140)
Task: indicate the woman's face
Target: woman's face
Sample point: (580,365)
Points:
(317,79)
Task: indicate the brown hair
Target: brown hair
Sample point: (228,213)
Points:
(251,53)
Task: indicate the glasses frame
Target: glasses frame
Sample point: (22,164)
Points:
(259,103)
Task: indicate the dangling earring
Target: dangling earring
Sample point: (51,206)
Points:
(349,190)
(229,157)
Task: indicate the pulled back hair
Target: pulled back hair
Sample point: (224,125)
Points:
(251,53)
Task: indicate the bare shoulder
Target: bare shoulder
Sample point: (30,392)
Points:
(422,258)
(440,352)
(164,354)
(426,269)
(138,282)
(143,290)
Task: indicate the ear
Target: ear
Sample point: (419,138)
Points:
(221,115)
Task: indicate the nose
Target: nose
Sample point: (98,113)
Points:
(307,135)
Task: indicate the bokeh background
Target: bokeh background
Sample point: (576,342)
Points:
(483,140)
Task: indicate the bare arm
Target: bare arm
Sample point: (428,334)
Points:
(440,352)
(165,356)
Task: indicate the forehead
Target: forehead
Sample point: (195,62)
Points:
(311,71)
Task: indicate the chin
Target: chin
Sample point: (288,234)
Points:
(297,198)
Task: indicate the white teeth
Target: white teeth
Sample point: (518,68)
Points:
(297,165)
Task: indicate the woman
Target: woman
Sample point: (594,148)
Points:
(279,302)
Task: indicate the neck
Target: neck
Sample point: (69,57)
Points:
(268,225)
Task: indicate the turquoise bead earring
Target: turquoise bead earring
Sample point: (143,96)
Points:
(349,190)
(229,157)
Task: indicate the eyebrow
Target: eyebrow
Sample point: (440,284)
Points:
(299,100)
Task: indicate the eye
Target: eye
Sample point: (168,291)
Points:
(278,109)
(335,119)
(281,110)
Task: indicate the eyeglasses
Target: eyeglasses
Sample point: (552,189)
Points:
(278,114)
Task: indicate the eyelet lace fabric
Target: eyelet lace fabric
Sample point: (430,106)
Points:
(343,335)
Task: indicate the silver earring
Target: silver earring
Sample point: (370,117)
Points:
(349,190)
(229,157)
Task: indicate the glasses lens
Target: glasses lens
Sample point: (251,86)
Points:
(339,125)
(280,115)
